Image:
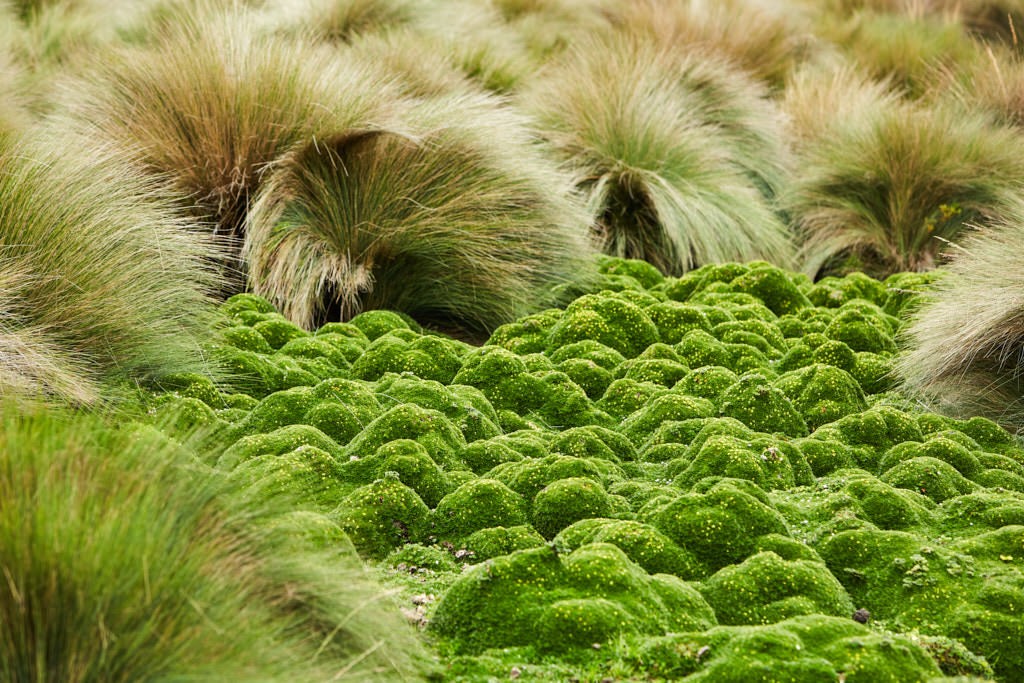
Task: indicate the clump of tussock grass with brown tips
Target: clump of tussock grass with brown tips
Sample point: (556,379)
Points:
(215,101)
(820,95)
(549,26)
(905,49)
(342,21)
(414,61)
(680,155)
(997,21)
(125,560)
(765,39)
(50,38)
(886,190)
(965,345)
(102,279)
(475,37)
(14,115)
(458,221)
(994,85)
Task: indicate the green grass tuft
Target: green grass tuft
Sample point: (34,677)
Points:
(904,48)
(884,189)
(768,41)
(342,21)
(101,280)
(125,560)
(215,100)
(460,220)
(679,154)
(965,345)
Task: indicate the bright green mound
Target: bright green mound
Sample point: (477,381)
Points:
(663,455)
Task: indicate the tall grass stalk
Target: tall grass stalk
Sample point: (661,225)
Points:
(102,280)
(124,560)
(965,346)
(463,222)
(680,155)
(887,189)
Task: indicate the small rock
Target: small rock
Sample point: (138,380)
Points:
(862,616)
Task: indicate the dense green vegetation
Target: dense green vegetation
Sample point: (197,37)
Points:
(720,457)
(471,340)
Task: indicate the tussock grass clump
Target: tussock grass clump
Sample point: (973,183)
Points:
(905,49)
(217,100)
(341,21)
(819,95)
(13,112)
(476,39)
(992,20)
(680,154)
(420,67)
(884,191)
(768,41)
(965,346)
(49,38)
(994,85)
(124,560)
(547,27)
(462,222)
(101,279)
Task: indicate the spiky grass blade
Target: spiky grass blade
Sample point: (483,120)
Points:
(98,268)
(679,154)
(123,560)
(463,222)
(889,187)
(965,346)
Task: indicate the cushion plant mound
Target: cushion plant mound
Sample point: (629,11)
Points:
(382,516)
(477,504)
(804,649)
(426,357)
(756,403)
(569,478)
(561,602)
(565,501)
(430,428)
(608,319)
(765,588)
(642,543)
(497,541)
(719,527)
